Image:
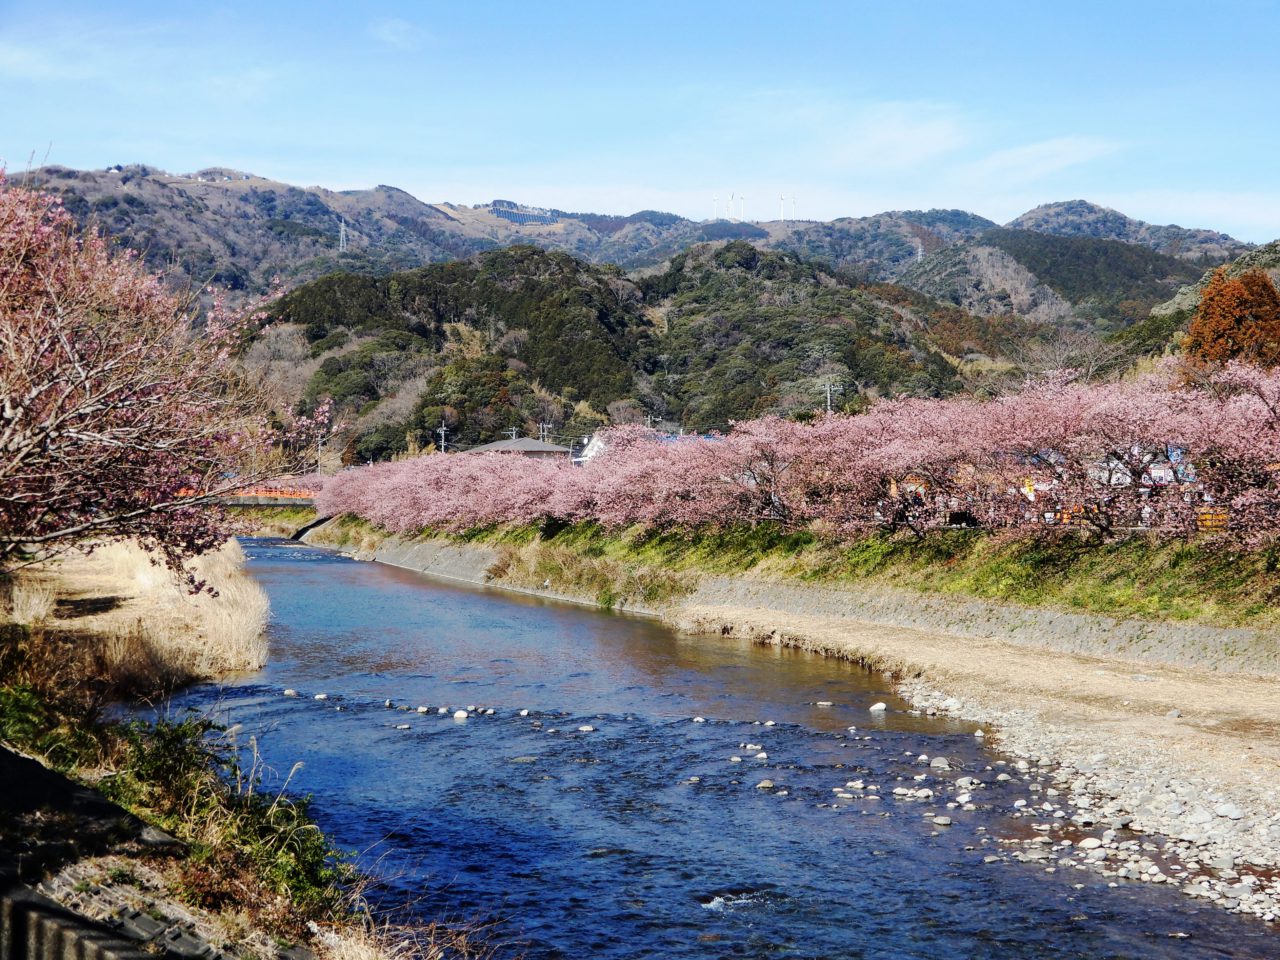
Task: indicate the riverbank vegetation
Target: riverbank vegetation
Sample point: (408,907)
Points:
(1166,454)
(1203,581)
(126,414)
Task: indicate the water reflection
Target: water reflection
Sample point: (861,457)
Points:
(643,837)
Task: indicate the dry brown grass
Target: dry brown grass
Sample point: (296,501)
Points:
(130,623)
(31,600)
(177,632)
(370,940)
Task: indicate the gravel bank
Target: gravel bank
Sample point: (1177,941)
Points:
(1156,747)
(1171,770)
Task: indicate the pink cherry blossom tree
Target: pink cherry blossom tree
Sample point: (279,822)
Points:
(118,417)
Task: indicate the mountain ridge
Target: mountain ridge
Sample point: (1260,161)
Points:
(242,231)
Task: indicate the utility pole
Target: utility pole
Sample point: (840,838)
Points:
(830,389)
(512,432)
(443,431)
(543,430)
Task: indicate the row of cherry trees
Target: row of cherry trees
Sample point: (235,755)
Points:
(1160,452)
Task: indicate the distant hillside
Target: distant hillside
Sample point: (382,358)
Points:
(1051,279)
(1265,258)
(746,332)
(1079,218)
(243,231)
(522,336)
(883,246)
(240,231)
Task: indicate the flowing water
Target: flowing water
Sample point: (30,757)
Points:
(642,837)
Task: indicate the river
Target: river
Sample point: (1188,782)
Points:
(643,837)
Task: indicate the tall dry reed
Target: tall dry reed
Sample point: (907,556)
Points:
(31,600)
(177,633)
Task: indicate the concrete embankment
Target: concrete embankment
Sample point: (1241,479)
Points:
(55,907)
(1167,732)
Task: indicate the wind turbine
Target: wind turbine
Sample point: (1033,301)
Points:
(715,206)
(729,211)
(742,208)
(782,209)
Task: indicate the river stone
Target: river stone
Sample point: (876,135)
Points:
(291,693)
(322,696)
(459,714)
(878,708)
(764,785)
(942,821)
(586,728)
(939,763)
(1089,843)
(1229,810)
(699,720)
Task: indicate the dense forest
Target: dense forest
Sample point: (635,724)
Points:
(519,337)
(1116,282)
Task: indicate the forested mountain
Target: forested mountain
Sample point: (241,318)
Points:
(746,332)
(1102,284)
(879,247)
(243,231)
(522,336)
(502,316)
(1079,218)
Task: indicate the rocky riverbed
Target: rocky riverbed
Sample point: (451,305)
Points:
(1152,758)
(1135,811)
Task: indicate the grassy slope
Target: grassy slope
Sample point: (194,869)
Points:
(1138,577)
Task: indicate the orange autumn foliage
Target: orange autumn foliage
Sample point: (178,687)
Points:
(1238,318)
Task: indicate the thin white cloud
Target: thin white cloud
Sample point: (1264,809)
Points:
(1036,161)
(803,129)
(895,136)
(254,83)
(31,62)
(397,32)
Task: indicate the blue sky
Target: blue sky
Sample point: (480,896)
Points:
(1161,110)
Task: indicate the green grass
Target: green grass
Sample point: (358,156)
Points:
(272,520)
(1200,582)
(187,778)
(31,721)
(1172,580)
